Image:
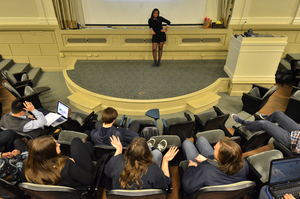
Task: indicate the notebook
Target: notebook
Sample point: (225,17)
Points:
(61,115)
(284,177)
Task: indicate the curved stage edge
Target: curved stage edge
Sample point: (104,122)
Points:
(195,102)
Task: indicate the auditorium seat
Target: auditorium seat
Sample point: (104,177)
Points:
(293,108)
(251,140)
(17,79)
(9,190)
(215,119)
(256,98)
(259,167)
(28,93)
(172,125)
(172,140)
(139,194)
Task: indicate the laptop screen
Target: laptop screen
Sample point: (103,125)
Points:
(284,170)
(62,109)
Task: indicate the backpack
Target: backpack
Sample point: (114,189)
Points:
(148,132)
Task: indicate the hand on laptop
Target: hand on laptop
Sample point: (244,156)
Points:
(28,106)
(289,196)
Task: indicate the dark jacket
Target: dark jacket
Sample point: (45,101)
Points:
(72,176)
(206,174)
(101,136)
(153,179)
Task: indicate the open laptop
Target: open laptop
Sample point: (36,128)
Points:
(284,177)
(61,115)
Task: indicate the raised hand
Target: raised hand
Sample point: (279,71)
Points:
(116,143)
(171,153)
(28,106)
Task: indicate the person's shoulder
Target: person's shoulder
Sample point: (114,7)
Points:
(117,160)
(154,167)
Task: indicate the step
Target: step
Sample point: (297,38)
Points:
(86,104)
(203,103)
(5,64)
(19,67)
(284,65)
(292,56)
(35,75)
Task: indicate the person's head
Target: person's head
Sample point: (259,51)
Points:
(155,13)
(137,158)
(44,163)
(109,115)
(17,106)
(229,156)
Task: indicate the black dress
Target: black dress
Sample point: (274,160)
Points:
(156,25)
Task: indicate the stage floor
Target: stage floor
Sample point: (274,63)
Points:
(138,79)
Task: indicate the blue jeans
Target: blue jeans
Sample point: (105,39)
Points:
(157,156)
(203,147)
(281,133)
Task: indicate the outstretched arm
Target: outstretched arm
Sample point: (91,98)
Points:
(167,158)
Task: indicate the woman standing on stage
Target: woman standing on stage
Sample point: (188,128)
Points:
(158,34)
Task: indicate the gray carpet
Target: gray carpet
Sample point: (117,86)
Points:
(59,91)
(138,79)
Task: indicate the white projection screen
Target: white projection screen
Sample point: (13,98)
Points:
(137,12)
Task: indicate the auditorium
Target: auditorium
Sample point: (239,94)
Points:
(220,68)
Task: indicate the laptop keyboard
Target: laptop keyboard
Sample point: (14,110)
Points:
(59,120)
(294,191)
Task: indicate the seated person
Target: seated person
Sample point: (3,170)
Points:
(101,136)
(11,164)
(208,167)
(286,133)
(263,194)
(45,166)
(17,120)
(136,169)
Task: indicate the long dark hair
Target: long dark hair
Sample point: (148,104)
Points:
(137,158)
(43,165)
(230,156)
(155,9)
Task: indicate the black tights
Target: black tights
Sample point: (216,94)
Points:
(82,154)
(154,50)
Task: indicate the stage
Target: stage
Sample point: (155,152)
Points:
(133,87)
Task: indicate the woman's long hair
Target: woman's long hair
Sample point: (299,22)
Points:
(155,9)
(43,165)
(230,156)
(137,158)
